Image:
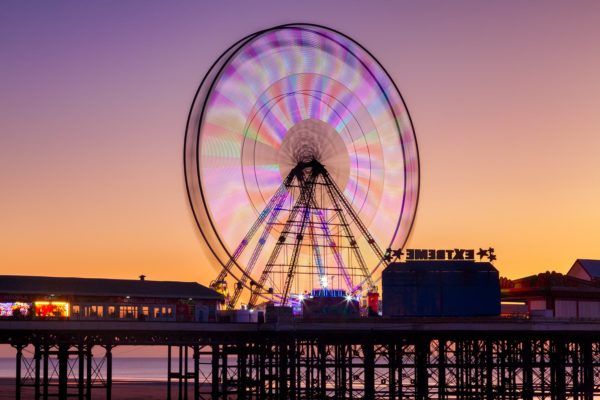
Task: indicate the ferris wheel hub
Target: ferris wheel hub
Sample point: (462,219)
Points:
(312,139)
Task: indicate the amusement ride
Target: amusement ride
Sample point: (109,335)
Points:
(301,166)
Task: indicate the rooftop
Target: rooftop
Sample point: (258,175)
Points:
(550,283)
(66,286)
(592,267)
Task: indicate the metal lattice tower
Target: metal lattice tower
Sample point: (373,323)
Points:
(317,240)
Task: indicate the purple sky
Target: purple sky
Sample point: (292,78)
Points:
(94,97)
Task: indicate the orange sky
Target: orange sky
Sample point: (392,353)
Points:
(94,99)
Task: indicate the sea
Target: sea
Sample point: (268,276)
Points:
(124,368)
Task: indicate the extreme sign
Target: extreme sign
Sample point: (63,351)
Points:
(441,254)
(430,254)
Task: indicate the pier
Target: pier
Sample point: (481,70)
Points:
(491,358)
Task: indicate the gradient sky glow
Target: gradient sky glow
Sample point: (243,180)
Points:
(94,99)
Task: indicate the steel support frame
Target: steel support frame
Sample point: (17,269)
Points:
(60,370)
(323,364)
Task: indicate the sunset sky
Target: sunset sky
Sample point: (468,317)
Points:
(94,98)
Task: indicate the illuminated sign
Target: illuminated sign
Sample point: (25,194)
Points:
(51,309)
(430,254)
(440,254)
(14,309)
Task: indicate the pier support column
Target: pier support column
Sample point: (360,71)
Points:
(489,369)
(393,367)
(81,365)
(215,371)
(283,371)
(45,380)
(242,378)
(179,374)
(322,361)
(108,357)
(19,357)
(293,365)
(169,354)
(558,370)
(442,389)
(63,370)
(588,368)
(369,366)
(37,383)
(88,380)
(527,369)
(186,373)
(196,372)
(422,376)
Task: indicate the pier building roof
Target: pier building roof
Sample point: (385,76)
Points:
(68,286)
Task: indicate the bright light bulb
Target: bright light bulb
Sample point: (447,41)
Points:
(301,297)
(349,297)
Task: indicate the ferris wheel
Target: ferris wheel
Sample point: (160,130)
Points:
(301,165)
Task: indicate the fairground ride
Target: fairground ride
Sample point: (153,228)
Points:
(301,166)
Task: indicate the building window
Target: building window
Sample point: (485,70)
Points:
(75,310)
(94,311)
(112,312)
(128,312)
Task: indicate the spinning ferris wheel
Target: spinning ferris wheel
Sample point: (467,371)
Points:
(301,165)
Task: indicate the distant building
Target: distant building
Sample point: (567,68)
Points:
(440,288)
(42,297)
(588,270)
(555,295)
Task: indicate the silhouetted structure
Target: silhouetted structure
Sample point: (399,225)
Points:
(370,358)
(440,288)
(468,358)
(318,226)
(105,299)
(588,270)
(554,295)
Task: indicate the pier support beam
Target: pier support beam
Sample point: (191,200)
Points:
(196,372)
(215,371)
(558,370)
(19,360)
(63,370)
(108,356)
(422,376)
(319,364)
(369,371)
(182,374)
(37,383)
(88,379)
